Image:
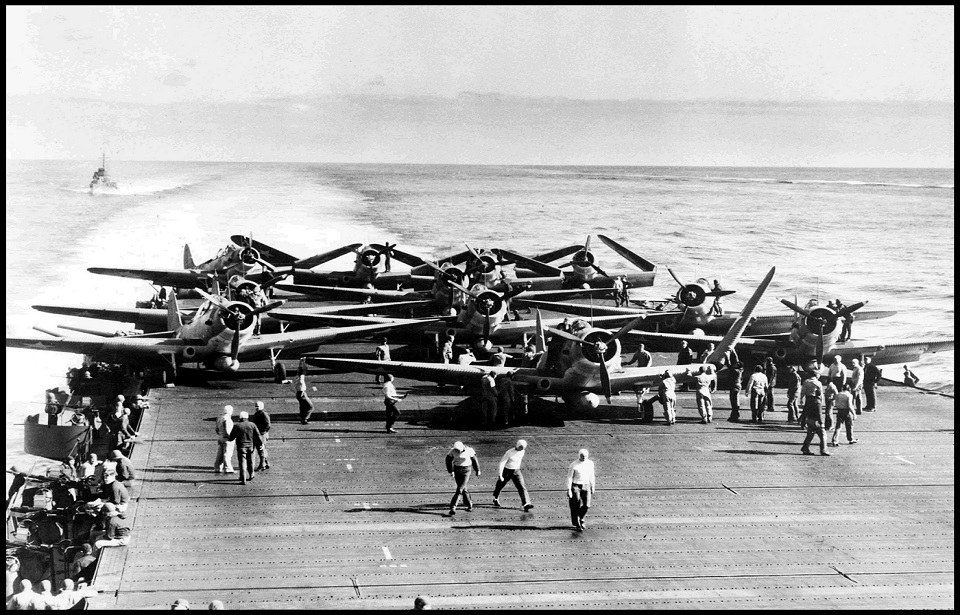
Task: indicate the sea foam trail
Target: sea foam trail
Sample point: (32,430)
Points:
(150,233)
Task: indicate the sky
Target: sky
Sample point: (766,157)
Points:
(727,86)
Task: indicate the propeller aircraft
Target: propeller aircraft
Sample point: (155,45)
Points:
(693,315)
(481,318)
(218,336)
(585,273)
(237,258)
(814,334)
(588,363)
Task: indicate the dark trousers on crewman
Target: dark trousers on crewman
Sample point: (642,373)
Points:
(870,391)
(262,452)
(517,477)
(792,408)
(814,427)
(390,409)
(245,463)
(462,476)
(734,405)
(579,503)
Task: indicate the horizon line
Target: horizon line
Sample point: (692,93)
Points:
(485,164)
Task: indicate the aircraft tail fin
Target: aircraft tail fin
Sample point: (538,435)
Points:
(730,340)
(173,313)
(188,257)
(540,338)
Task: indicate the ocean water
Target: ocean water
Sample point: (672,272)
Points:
(880,235)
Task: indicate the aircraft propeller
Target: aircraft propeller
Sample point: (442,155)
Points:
(484,263)
(822,320)
(600,348)
(584,259)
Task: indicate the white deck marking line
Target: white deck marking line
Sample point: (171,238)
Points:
(336,439)
(386,553)
(366,506)
(906,461)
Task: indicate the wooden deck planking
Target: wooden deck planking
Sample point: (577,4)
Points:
(689,516)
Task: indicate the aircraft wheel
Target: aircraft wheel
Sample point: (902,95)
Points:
(279,373)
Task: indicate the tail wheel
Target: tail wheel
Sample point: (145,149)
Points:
(279,373)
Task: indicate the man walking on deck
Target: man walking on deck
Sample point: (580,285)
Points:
(300,389)
(460,460)
(390,399)
(509,470)
(871,380)
(811,394)
(224,444)
(581,482)
(262,420)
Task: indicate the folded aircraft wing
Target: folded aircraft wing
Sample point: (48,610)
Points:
(307,338)
(465,375)
(320,319)
(181,278)
(272,255)
(341,293)
(579,309)
(145,319)
(318,259)
(889,352)
(110,349)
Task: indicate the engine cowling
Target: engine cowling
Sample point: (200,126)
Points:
(691,295)
(819,315)
(249,256)
(369,258)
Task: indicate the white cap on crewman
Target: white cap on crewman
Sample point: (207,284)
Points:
(228,409)
(259,405)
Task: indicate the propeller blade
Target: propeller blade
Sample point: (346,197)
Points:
(235,344)
(672,274)
(720,293)
(486,328)
(586,245)
(633,324)
(214,299)
(851,308)
(476,255)
(599,270)
(605,380)
(532,264)
(265,264)
(266,308)
(447,281)
(274,280)
(796,308)
(820,345)
(568,336)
